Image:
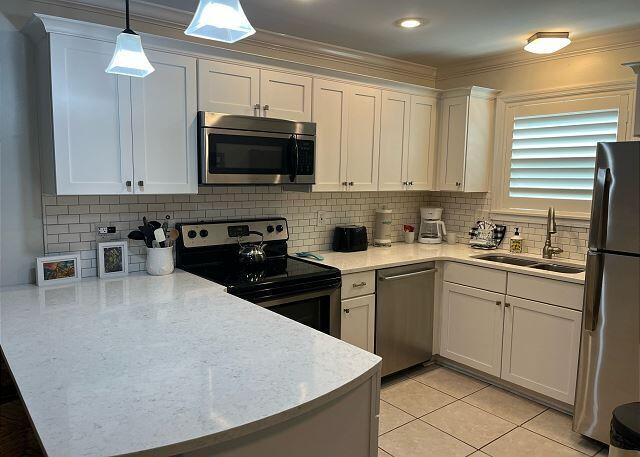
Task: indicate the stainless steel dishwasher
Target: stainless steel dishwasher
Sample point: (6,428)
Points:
(404,316)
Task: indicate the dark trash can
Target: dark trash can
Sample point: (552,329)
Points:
(625,431)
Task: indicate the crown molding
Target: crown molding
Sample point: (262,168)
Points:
(264,40)
(620,39)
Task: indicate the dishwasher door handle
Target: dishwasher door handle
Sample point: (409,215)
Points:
(408,275)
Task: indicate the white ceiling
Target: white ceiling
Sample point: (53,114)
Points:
(457,29)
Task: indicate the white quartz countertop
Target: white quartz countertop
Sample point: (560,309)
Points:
(404,254)
(163,365)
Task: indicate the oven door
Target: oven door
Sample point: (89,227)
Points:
(246,157)
(318,309)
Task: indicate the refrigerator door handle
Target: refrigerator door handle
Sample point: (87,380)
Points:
(593,290)
(600,211)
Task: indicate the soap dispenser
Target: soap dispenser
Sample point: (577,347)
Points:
(515,242)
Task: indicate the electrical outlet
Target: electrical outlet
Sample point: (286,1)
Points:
(106,230)
(322,218)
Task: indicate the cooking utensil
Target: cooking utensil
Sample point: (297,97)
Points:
(309,255)
(252,253)
(172,236)
(159,237)
(136,235)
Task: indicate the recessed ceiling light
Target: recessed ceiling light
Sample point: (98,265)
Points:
(547,42)
(409,22)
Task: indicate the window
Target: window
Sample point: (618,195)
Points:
(546,155)
(553,156)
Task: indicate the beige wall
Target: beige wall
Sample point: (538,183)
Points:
(589,68)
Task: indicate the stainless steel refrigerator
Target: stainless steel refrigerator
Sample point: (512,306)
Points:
(609,367)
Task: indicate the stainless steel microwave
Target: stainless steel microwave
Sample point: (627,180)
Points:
(255,150)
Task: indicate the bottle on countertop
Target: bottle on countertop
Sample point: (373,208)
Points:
(516,242)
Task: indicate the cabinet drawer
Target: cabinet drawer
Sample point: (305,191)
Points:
(357,284)
(478,277)
(559,293)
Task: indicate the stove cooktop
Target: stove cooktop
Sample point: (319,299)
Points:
(275,277)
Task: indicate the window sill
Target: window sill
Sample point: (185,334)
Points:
(540,217)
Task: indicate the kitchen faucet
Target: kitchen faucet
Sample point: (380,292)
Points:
(548,250)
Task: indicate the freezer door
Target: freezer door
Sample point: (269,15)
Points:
(615,212)
(609,366)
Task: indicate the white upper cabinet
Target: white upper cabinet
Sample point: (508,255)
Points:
(330,115)
(347,136)
(107,133)
(421,161)
(407,142)
(165,126)
(285,95)
(466,139)
(363,143)
(87,126)
(394,140)
(228,88)
(249,91)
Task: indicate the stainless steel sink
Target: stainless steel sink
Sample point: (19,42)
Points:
(530,263)
(558,268)
(506,259)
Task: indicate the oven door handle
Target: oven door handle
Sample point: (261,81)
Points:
(294,157)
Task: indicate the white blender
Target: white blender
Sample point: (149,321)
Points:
(432,227)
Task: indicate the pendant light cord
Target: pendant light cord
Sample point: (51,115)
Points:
(127,28)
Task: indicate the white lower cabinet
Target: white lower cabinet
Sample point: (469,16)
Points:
(540,347)
(471,331)
(358,321)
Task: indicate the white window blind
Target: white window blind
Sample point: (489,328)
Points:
(553,156)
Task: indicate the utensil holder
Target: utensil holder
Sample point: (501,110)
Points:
(409,237)
(160,261)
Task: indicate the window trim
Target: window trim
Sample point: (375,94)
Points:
(619,95)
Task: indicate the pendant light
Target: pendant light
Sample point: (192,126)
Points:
(129,58)
(220,20)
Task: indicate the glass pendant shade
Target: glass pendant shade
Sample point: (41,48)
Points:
(129,58)
(220,20)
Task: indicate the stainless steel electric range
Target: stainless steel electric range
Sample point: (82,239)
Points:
(300,290)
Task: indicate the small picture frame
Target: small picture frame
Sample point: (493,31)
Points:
(113,259)
(58,269)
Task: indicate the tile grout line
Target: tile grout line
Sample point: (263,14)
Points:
(556,441)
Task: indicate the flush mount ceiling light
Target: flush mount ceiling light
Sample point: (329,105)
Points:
(129,58)
(547,42)
(220,20)
(409,22)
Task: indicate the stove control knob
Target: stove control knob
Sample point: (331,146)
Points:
(279,228)
(270,228)
(192,234)
(204,233)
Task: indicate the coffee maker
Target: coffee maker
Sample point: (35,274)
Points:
(432,228)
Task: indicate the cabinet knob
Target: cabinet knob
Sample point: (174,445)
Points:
(458,184)
(507,305)
(127,183)
(346,311)
(345,183)
(265,108)
(141,183)
(411,183)
(256,109)
(498,303)
(351,183)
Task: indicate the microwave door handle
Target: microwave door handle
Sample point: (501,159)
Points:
(600,212)
(293,158)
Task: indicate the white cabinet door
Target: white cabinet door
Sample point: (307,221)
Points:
(228,88)
(330,99)
(164,125)
(422,138)
(394,140)
(471,327)
(540,347)
(91,113)
(285,95)
(358,321)
(453,142)
(363,143)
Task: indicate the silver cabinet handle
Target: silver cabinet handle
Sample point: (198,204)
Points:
(407,275)
(256,109)
(359,284)
(127,183)
(265,108)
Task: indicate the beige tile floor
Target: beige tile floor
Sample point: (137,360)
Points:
(438,412)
